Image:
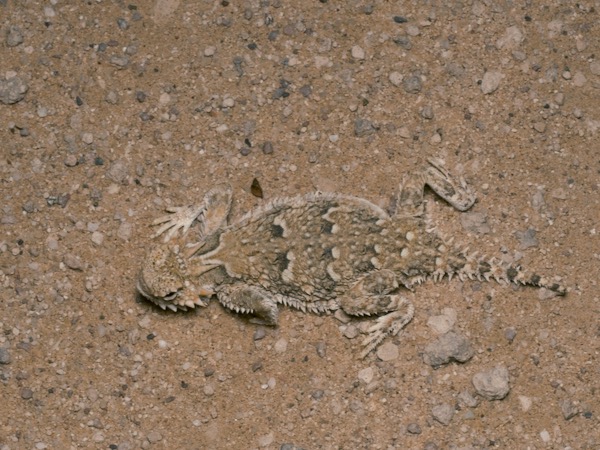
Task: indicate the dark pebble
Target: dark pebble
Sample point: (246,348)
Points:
(280,93)
(267,148)
(413,428)
(140,96)
(122,23)
(400,19)
(245,151)
(4,356)
(318,394)
(273,35)
(257,366)
(252,46)
(306,90)
(26,393)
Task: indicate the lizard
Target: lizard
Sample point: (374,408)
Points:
(318,252)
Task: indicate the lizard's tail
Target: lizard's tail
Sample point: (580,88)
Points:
(465,265)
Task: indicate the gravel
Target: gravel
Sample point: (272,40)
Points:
(492,384)
(451,346)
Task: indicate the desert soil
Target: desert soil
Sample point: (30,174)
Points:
(111,111)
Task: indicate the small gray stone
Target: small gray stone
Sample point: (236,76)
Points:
(527,238)
(26,393)
(73,262)
(450,346)
(290,447)
(363,127)
(510,334)
(14,36)
(12,90)
(427,112)
(119,61)
(412,84)
(259,334)
(475,222)
(4,356)
(413,428)
(118,172)
(321,349)
(351,332)
(125,230)
(388,352)
(154,436)
(492,384)
(443,413)
(569,408)
(267,148)
(465,398)
(490,82)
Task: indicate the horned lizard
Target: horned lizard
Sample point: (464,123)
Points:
(318,252)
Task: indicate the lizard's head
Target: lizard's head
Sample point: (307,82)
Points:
(164,279)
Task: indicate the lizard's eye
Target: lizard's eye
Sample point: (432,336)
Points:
(170,296)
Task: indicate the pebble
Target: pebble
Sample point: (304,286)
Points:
(527,238)
(26,393)
(73,262)
(290,447)
(71,160)
(413,428)
(568,408)
(491,82)
(125,231)
(281,345)
(321,348)
(4,356)
(13,90)
(511,39)
(427,112)
(525,403)
(467,399)
(267,148)
(266,440)
(154,436)
(14,37)
(443,413)
(510,334)
(363,127)
(396,78)
(87,138)
(492,384)
(366,375)
(351,332)
(97,238)
(448,347)
(545,436)
(259,334)
(443,323)
(388,352)
(475,222)
(119,61)
(358,53)
(412,84)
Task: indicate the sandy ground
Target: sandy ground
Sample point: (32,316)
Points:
(111,111)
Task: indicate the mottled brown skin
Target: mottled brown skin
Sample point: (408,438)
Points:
(317,253)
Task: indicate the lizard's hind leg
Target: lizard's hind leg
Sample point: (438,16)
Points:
(374,294)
